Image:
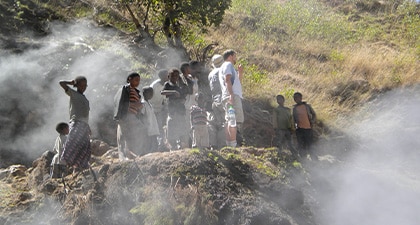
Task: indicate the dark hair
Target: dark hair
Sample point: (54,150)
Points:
(228,53)
(173,70)
(79,79)
(61,126)
(184,66)
(297,94)
(280,96)
(147,89)
(162,73)
(194,63)
(131,76)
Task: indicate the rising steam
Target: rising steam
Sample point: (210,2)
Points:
(32,102)
(379,181)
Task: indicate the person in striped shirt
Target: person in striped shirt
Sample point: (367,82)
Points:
(199,123)
(130,130)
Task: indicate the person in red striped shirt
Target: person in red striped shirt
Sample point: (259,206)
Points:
(130,130)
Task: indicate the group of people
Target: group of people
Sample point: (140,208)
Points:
(175,111)
(172,113)
(300,120)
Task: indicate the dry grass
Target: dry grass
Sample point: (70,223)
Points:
(316,67)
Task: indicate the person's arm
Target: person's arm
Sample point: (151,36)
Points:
(312,111)
(65,84)
(167,91)
(240,72)
(274,119)
(228,82)
(292,124)
(170,92)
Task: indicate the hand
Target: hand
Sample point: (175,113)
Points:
(240,69)
(230,100)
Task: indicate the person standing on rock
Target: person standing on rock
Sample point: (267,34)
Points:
(230,83)
(217,112)
(77,149)
(189,87)
(176,124)
(127,106)
(304,117)
(150,121)
(199,123)
(283,125)
(160,106)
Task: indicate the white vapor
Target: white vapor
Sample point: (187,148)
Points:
(378,183)
(32,102)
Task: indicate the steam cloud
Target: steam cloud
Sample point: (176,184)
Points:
(379,182)
(32,102)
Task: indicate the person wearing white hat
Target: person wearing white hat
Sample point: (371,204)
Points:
(216,129)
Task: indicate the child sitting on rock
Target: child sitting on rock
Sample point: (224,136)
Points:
(57,167)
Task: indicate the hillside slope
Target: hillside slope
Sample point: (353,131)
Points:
(231,186)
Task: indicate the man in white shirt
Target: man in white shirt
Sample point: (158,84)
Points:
(159,104)
(230,83)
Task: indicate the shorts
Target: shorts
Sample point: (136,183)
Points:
(237,105)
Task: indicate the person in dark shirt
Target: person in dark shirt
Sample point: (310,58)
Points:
(128,104)
(177,129)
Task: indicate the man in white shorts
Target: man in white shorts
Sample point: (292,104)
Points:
(230,83)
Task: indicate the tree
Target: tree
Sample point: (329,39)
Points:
(171,16)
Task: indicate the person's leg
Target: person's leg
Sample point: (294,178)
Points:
(230,136)
(161,118)
(195,137)
(171,132)
(121,142)
(281,139)
(309,142)
(221,139)
(219,113)
(230,132)
(301,142)
(202,136)
(212,130)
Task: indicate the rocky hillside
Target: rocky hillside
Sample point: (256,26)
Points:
(40,43)
(230,186)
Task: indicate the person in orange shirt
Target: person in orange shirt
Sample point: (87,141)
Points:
(304,117)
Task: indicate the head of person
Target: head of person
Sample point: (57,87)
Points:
(297,97)
(147,93)
(173,75)
(133,79)
(163,75)
(80,82)
(62,128)
(185,68)
(217,61)
(229,55)
(280,100)
(195,68)
(199,98)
